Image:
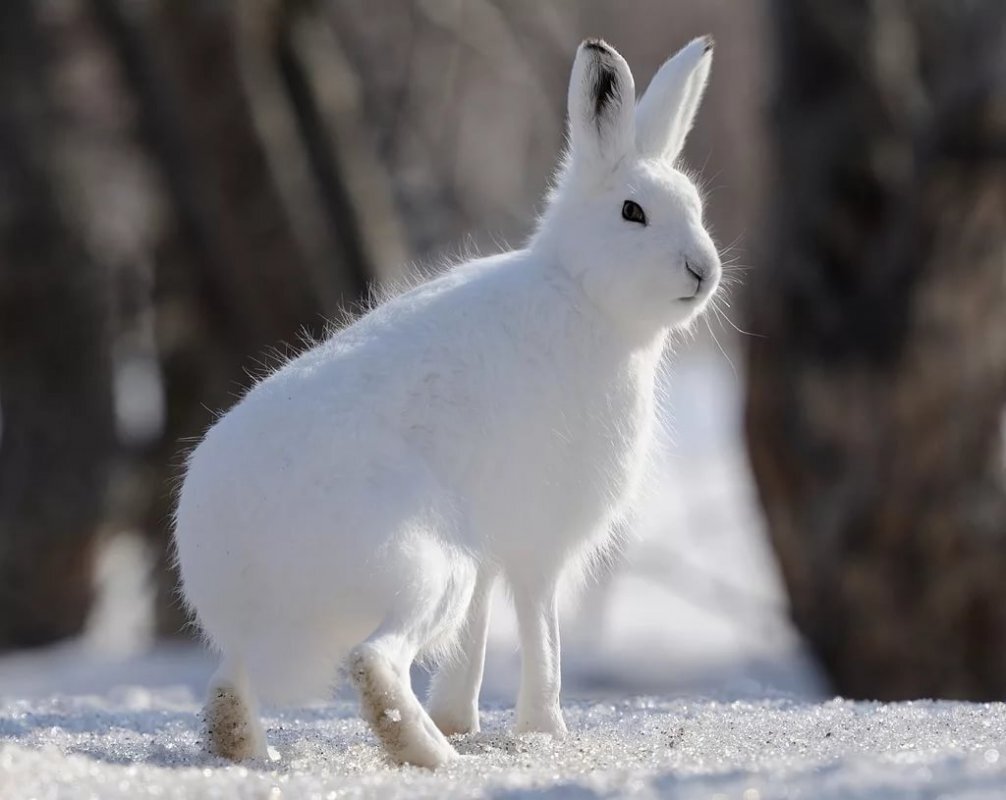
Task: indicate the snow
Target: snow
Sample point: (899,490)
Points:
(138,743)
(682,678)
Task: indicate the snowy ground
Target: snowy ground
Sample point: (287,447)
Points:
(138,743)
(682,678)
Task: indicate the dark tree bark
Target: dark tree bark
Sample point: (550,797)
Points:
(875,405)
(266,246)
(55,367)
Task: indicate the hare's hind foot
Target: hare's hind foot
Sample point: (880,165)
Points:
(232,729)
(395,715)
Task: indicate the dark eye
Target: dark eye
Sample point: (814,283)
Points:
(633,213)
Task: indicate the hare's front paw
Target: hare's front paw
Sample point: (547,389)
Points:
(541,720)
(456,719)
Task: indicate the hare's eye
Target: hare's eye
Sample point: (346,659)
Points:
(633,213)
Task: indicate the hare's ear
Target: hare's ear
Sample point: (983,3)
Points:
(667,110)
(601,101)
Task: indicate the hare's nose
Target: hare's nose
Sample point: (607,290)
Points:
(696,272)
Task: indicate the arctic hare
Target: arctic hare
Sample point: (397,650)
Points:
(356,506)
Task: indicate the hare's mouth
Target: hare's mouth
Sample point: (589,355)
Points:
(699,294)
(702,293)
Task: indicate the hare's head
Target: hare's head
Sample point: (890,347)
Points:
(624,221)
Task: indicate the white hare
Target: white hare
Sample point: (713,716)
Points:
(356,506)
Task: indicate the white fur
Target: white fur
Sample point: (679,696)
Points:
(356,506)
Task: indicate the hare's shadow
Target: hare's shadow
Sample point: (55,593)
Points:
(173,738)
(120,737)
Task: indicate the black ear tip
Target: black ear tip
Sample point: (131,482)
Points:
(710,42)
(599,45)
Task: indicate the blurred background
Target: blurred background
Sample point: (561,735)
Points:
(189,187)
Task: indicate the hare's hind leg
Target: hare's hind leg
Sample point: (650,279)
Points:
(426,611)
(379,668)
(232,729)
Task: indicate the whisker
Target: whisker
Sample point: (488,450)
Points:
(724,317)
(712,333)
(730,247)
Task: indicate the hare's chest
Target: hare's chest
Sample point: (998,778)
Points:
(612,443)
(578,462)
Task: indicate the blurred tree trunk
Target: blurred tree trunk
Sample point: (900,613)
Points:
(55,366)
(875,407)
(269,243)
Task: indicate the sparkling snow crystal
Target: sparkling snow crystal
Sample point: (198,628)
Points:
(142,743)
